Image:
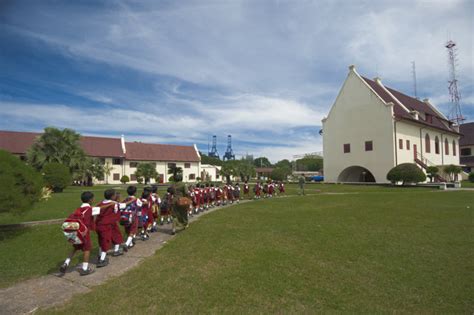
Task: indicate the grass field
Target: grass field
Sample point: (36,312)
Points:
(62,204)
(406,251)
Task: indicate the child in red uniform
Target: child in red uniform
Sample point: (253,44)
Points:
(155,207)
(145,214)
(106,227)
(84,213)
(246,190)
(281,187)
(133,206)
(257,189)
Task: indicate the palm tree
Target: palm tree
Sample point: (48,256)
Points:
(177,173)
(55,145)
(146,171)
(107,171)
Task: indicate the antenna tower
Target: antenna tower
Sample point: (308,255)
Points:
(229,154)
(455,114)
(413,72)
(213,153)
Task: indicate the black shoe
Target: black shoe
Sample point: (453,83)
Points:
(130,246)
(118,253)
(63,268)
(103,263)
(89,270)
(125,248)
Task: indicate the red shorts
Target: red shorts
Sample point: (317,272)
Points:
(132,229)
(86,246)
(108,234)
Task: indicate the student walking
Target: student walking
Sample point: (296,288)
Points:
(301,182)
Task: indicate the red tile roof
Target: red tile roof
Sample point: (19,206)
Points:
(467,131)
(102,147)
(160,152)
(19,142)
(411,103)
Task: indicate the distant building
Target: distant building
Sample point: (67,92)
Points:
(122,156)
(210,172)
(263,172)
(466,145)
(372,128)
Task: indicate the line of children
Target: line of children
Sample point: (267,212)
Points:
(139,217)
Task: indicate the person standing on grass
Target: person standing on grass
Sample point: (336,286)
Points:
(301,182)
(181,204)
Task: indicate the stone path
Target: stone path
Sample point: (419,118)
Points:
(51,290)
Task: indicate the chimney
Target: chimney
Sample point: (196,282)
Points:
(426,100)
(378,80)
(122,140)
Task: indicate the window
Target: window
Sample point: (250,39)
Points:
(171,165)
(436,145)
(465,151)
(133,177)
(408,144)
(400,144)
(454,148)
(117,161)
(347,148)
(116,176)
(187,165)
(446,146)
(369,145)
(427,143)
(133,164)
(192,176)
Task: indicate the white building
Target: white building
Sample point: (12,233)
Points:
(372,128)
(466,144)
(122,157)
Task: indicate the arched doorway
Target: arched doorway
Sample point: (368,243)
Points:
(356,174)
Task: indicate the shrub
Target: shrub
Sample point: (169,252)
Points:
(471,177)
(56,176)
(125,179)
(432,171)
(453,171)
(406,173)
(20,185)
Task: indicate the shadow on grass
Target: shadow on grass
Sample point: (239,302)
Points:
(13,232)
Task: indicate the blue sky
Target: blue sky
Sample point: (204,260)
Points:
(179,72)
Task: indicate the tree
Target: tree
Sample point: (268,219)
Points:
(406,173)
(471,177)
(20,185)
(125,179)
(146,171)
(107,171)
(280,173)
(432,171)
(57,146)
(262,162)
(210,160)
(284,164)
(310,163)
(453,171)
(56,176)
(244,168)
(177,173)
(228,169)
(89,168)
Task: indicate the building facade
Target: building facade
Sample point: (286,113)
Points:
(466,145)
(371,128)
(119,156)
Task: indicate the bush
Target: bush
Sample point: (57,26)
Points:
(406,173)
(280,173)
(471,177)
(453,171)
(432,171)
(125,179)
(20,185)
(56,176)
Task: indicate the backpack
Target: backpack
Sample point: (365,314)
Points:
(126,215)
(74,228)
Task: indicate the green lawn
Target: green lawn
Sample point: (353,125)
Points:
(467,184)
(408,251)
(62,204)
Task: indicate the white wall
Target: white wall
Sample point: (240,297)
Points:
(358,115)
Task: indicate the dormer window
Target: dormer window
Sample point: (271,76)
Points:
(429,118)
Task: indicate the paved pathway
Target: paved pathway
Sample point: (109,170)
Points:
(54,289)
